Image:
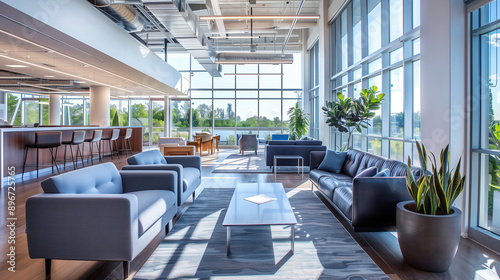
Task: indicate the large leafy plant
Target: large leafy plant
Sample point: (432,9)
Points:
(349,115)
(299,122)
(434,193)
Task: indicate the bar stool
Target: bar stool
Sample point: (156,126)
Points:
(96,139)
(44,140)
(77,139)
(114,137)
(125,140)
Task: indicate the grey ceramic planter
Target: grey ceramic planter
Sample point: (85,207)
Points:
(428,242)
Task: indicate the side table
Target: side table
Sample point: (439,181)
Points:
(298,158)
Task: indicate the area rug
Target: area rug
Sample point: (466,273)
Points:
(196,246)
(251,163)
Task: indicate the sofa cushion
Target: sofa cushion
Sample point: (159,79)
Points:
(306,138)
(370,160)
(333,161)
(352,162)
(384,173)
(308,142)
(98,179)
(369,172)
(396,168)
(327,185)
(342,198)
(147,157)
(281,142)
(191,175)
(152,205)
(316,174)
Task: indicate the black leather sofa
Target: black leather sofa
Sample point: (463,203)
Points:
(367,203)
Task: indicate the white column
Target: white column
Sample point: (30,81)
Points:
(324,71)
(443,73)
(54,109)
(99,105)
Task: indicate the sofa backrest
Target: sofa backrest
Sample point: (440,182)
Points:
(352,162)
(97,179)
(280,142)
(370,160)
(147,157)
(309,142)
(396,167)
(298,142)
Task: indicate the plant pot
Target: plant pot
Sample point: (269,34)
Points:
(428,242)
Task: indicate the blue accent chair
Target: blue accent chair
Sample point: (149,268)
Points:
(279,136)
(188,170)
(99,213)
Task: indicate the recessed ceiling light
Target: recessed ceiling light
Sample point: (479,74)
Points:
(49,76)
(16,66)
(79,82)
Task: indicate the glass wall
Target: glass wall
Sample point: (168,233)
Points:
(485,166)
(118,112)
(314,90)
(140,117)
(255,102)
(385,52)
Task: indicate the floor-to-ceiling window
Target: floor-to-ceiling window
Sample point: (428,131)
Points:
(314,89)
(247,98)
(376,43)
(485,129)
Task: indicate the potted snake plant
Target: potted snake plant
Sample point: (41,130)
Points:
(429,226)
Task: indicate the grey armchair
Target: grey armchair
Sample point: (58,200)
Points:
(248,142)
(99,213)
(188,169)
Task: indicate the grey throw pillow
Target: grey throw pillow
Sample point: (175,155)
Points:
(369,172)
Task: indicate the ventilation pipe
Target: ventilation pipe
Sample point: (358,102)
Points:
(130,19)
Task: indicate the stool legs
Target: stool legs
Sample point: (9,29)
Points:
(53,161)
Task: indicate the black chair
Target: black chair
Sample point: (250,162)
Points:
(96,139)
(126,140)
(114,137)
(77,139)
(44,140)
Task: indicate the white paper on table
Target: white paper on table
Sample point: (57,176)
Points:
(260,199)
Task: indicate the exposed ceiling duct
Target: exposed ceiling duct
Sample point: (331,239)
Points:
(184,26)
(130,19)
(261,26)
(254,58)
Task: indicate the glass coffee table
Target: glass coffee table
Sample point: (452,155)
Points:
(245,213)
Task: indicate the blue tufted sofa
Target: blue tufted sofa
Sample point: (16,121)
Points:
(188,169)
(367,203)
(99,213)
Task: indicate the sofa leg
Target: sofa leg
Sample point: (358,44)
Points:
(126,269)
(194,196)
(168,228)
(48,264)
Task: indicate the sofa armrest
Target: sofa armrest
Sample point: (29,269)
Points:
(316,158)
(185,161)
(140,180)
(374,200)
(82,226)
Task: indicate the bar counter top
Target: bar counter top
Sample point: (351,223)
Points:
(14,139)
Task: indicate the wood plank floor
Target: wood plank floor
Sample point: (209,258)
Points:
(471,262)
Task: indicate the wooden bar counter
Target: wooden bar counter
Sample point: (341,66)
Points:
(13,140)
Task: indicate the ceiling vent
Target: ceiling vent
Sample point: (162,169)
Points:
(254,58)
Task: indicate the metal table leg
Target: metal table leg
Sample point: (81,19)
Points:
(293,238)
(274,169)
(228,240)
